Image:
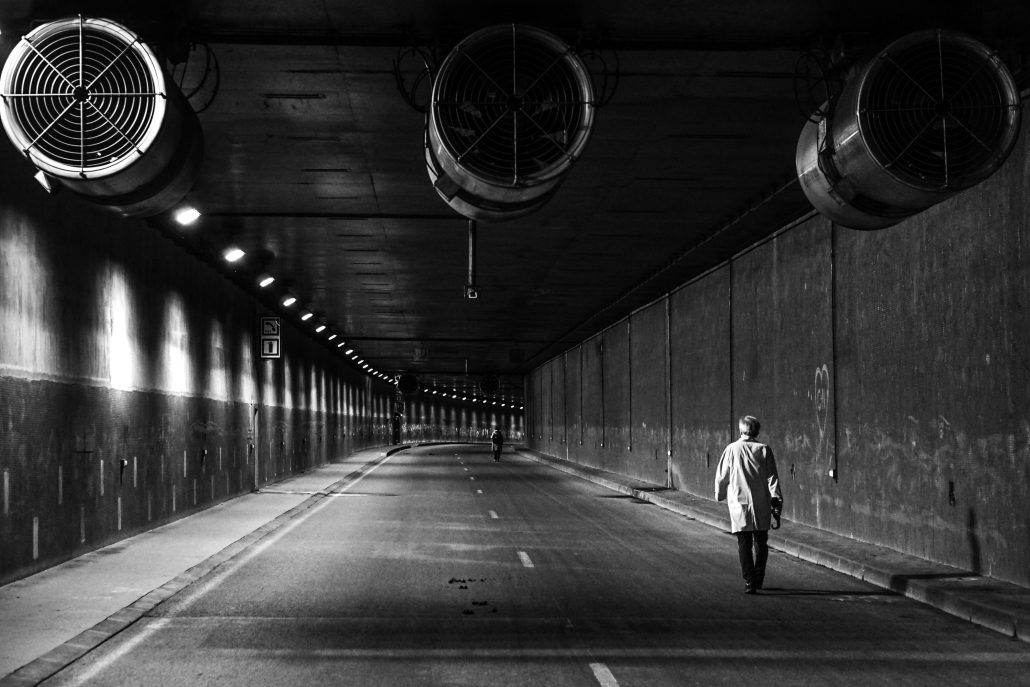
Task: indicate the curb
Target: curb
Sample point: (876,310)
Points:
(63,655)
(943,587)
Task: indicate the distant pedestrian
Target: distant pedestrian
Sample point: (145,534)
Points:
(497,442)
(746,479)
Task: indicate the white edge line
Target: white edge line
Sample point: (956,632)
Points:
(603,675)
(108,660)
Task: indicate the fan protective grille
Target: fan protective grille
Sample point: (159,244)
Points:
(82,97)
(939,110)
(513,104)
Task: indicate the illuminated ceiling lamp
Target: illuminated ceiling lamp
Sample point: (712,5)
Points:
(186,215)
(265,280)
(233,253)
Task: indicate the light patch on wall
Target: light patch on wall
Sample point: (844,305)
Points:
(247,372)
(287,389)
(217,385)
(175,358)
(122,357)
(27,301)
(312,403)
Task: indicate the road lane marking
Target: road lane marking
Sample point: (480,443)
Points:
(524,557)
(108,660)
(493,514)
(215,578)
(830,657)
(479,491)
(603,675)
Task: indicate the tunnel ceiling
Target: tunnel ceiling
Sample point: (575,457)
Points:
(314,161)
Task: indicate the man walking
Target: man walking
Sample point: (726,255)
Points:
(497,442)
(746,480)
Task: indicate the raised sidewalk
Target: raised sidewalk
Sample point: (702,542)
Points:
(994,604)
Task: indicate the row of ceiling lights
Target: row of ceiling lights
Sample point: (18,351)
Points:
(465,397)
(187,216)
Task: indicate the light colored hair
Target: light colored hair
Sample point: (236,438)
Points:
(749,425)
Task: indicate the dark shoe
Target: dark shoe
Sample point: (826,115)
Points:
(749,589)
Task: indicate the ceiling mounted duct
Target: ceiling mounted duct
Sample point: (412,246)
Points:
(490,384)
(932,114)
(511,110)
(89,105)
(408,384)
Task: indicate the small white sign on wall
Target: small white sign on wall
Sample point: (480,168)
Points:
(270,341)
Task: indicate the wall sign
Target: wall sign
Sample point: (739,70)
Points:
(270,341)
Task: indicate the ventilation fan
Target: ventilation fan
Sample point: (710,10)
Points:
(408,384)
(89,105)
(932,114)
(511,110)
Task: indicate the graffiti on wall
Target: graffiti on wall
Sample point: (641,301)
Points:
(822,411)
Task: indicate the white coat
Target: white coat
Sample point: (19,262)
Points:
(746,480)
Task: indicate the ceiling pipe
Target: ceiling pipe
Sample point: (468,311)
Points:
(470,285)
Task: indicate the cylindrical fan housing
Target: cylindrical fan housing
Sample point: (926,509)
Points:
(511,110)
(87,102)
(932,114)
(408,384)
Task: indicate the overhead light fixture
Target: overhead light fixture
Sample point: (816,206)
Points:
(319,329)
(186,216)
(288,300)
(348,351)
(331,337)
(265,280)
(341,344)
(233,253)
(306,316)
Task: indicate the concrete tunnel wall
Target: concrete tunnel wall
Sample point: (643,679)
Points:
(898,358)
(116,345)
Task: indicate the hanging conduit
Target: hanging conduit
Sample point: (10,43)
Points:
(932,114)
(89,105)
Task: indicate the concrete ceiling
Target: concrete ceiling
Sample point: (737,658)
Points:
(314,161)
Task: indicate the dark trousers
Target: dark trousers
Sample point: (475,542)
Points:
(753,548)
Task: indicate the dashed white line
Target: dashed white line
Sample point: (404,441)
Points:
(524,557)
(493,514)
(603,675)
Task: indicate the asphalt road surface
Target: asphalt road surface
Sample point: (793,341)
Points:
(441,567)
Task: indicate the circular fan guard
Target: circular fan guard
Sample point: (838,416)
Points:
(934,113)
(937,110)
(513,104)
(82,97)
(510,112)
